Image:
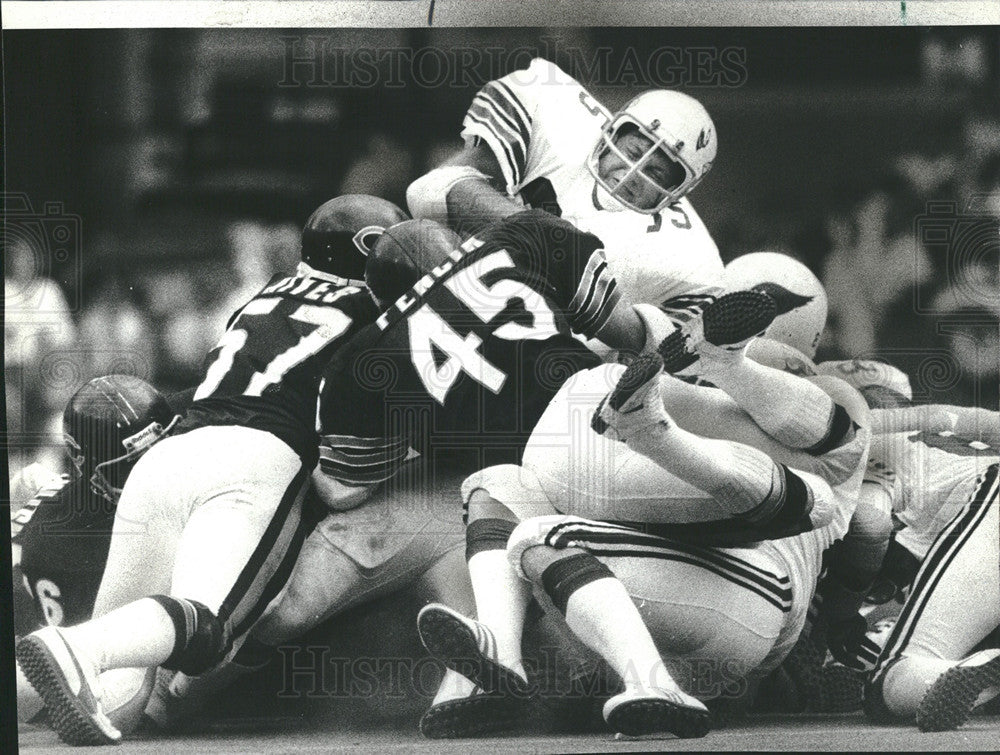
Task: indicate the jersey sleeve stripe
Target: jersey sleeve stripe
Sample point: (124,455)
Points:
(485,129)
(504,131)
(509,108)
(584,292)
(493,105)
(359,442)
(355,476)
(520,111)
(367,458)
(608,301)
(595,298)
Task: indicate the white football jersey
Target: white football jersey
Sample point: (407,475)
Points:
(542,125)
(938,474)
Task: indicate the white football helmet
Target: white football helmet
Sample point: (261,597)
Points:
(677,125)
(801,298)
(862,373)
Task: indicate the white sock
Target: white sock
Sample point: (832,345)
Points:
(502,599)
(793,411)
(737,476)
(603,616)
(139,634)
(453,686)
(908,680)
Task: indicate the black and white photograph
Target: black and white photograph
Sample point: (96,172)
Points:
(535,384)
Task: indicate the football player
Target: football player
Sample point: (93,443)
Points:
(936,465)
(459,369)
(373,541)
(945,496)
(208,525)
(537,138)
(61,535)
(635,484)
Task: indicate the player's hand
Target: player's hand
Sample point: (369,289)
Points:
(850,644)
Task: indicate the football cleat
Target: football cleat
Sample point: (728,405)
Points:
(635,402)
(478,715)
(71,692)
(729,323)
(656,711)
(468,647)
(951,699)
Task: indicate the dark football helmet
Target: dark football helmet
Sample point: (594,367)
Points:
(404,254)
(341,232)
(108,424)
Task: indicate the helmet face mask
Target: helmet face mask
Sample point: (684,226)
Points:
(679,143)
(638,169)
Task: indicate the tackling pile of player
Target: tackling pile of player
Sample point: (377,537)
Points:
(460,380)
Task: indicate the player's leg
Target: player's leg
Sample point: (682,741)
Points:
(726,628)
(743,480)
(495,500)
(351,557)
(954,603)
(791,410)
(244,490)
(714,617)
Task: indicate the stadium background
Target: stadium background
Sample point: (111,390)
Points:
(182,164)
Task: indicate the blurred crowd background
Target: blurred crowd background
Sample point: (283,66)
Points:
(159,177)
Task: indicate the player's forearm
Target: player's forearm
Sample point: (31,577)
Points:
(858,558)
(466,192)
(968,422)
(473,205)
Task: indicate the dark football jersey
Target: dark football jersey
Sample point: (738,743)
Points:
(64,533)
(463,365)
(265,371)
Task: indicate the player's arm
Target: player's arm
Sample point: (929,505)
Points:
(465,193)
(853,564)
(477,186)
(357,452)
(972,423)
(586,290)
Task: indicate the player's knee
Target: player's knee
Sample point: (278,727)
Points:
(786,511)
(504,491)
(573,571)
(199,636)
(841,431)
(529,534)
(487,534)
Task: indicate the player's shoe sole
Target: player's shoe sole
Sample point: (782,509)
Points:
(734,318)
(950,700)
(477,716)
(727,323)
(468,648)
(639,716)
(76,716)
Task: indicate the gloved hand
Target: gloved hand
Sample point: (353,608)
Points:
(849,643)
